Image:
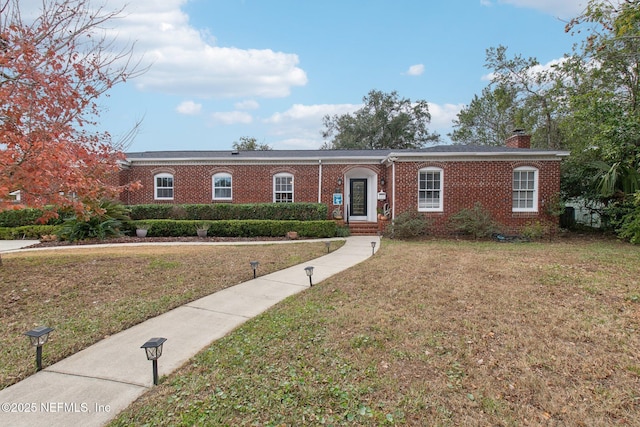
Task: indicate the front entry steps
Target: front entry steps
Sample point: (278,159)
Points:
(363,228)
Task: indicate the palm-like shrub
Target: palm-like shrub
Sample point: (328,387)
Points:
(107,223)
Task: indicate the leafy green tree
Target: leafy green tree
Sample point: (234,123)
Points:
(536,101)
(604,93)
(385,121)
(488,119)
(246,143)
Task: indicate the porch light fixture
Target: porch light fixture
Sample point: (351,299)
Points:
(153,348)
(38,337)
(254,265)
(382,181)
(373,248)
(328,245)
(309,271)
(339,181)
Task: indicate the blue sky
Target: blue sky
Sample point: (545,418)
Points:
(271,69)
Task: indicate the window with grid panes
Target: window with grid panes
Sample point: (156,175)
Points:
(283,188)
(430,190)
(525,189)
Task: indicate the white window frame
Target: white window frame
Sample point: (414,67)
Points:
(15,196)
(277,187)
(528,193)
(422,192)
(156,187)
(219,176)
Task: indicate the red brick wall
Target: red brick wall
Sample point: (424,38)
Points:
(490,183)
(465,183)
(251,183)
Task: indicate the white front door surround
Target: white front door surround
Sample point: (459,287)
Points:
(367,178)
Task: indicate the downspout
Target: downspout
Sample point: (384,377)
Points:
(393,187)
(320,181)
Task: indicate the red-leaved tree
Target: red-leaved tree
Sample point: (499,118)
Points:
(54,66)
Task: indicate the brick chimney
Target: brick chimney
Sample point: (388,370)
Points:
(519,139)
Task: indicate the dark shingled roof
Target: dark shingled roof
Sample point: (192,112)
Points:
(328,154)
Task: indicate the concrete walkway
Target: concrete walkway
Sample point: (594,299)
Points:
(12,245)
(91,387)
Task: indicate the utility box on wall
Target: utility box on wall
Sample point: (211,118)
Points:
(382,195)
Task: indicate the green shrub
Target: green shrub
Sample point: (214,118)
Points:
(74,229)
(476,222)
(21,217)
(534,230)
(240,228)
(178,212)
(409,225)
(106,224)
(343,231)
(150,211)
(28,232)
(229,211)
(628,224)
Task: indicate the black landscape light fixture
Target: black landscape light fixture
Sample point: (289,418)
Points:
(328,245)
(309,271)
(373,248)
(153,348)
(38,337)
(254,265)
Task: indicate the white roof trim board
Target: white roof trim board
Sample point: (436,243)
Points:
(441,152)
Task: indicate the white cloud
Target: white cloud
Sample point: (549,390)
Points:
(559,8)
(232,117)
(311,112)
(300,126)
(185,61)
(189,108)
(442,116)
(416,70)
(249,104)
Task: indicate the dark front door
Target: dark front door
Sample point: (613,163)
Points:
(358,197)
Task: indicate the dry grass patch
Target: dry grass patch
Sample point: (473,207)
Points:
(434,333)
(89,293)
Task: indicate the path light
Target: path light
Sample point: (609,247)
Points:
(153,348)
(38,337)
(254,265)
(309,271)
(328,245)
(373,248)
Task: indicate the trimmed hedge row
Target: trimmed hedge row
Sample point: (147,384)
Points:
(236,228)
(228,211)
(22,217)
(218,211)
(173,228)
(27,232)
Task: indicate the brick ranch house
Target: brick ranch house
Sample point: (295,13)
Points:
(515,183)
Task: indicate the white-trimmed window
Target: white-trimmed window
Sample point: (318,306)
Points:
(525,189)
(222,186)
(430,190)
(15,196)
(163,186)
(283,188)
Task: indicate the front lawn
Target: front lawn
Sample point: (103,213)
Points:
(86,294)
(430,333)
